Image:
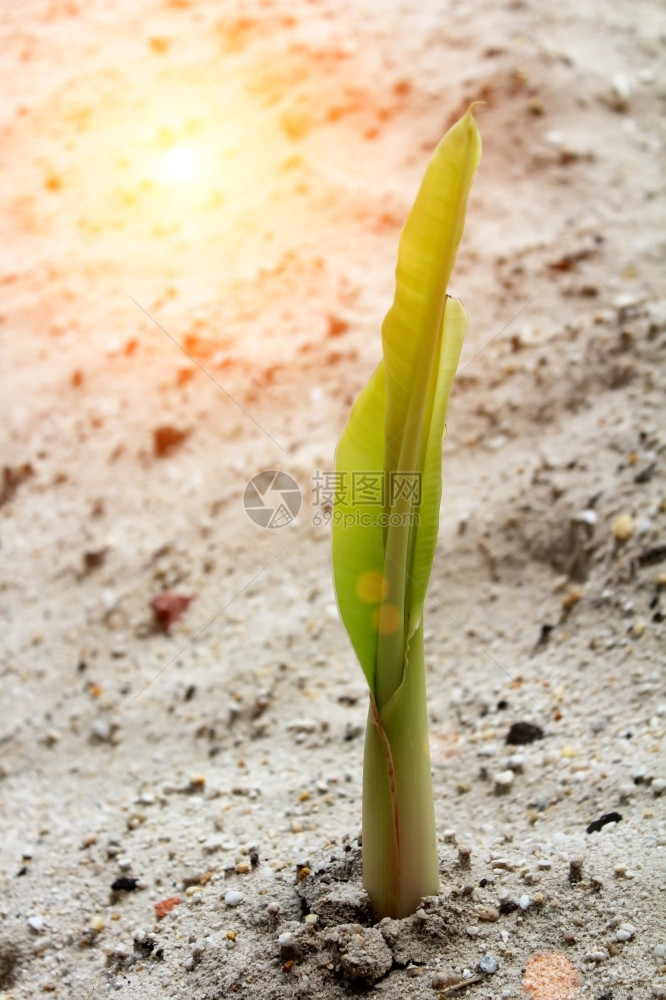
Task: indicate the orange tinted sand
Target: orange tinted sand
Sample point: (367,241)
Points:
(550,976)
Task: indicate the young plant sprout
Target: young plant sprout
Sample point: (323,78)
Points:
(385,521)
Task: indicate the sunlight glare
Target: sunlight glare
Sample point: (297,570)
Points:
(180,163)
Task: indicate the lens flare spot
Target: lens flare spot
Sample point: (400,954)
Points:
(387,619)
(180,163)
(372,586)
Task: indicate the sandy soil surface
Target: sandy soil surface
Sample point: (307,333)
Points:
(201,204)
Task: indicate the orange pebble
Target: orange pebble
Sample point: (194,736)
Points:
(166,906)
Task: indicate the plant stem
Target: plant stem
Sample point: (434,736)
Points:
(400,863)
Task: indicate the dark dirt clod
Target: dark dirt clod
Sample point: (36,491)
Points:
(598,824)
(10,955)
(124,884)
(168,607)
(166,439)
(522,733)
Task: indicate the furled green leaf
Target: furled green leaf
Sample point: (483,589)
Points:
(382,552)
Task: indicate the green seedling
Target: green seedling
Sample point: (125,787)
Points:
(385,523)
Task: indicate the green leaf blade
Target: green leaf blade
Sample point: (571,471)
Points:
(358,549)
(426,255)
(455,326)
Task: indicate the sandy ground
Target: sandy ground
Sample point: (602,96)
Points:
(165,337)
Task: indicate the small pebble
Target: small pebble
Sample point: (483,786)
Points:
(42,944)
(623,527)
(524,902)
(658,786)
(101,731)
(213,844)
(464,855)
(620,94)
(575,870)
(287,940)
(625,932)
(596,956)
(442,979)
(488,964)
(97,923)
(233,897)
(166,906)
(626,791)
(503,782)
(36,923)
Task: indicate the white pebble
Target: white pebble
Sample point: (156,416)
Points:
(36,923)
(659,954)
(621,91)
(596,956)
(524,902)
(658,785)
(101,730)
(625,932)
(233,897)
(287,940)
(503,781)
(212,844)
